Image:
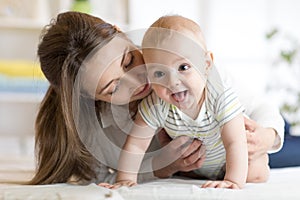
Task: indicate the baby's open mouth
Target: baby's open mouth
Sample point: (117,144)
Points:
(179,96)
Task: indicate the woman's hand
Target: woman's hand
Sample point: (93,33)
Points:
(181,154)
(259,139)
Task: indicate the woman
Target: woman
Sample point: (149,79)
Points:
(96,79)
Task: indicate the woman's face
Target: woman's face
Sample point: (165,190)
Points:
(116,73)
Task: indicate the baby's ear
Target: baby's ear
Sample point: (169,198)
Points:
(209,59)
(211,55)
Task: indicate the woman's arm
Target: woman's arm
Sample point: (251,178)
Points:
(266,126)
(260,139)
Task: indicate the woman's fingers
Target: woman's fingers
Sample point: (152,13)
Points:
(193,147)
(182,153)
(163,137)
(196,158)
(189,166)
(250,125)
(192,154)
(183,145)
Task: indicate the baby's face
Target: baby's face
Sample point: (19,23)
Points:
(174,78)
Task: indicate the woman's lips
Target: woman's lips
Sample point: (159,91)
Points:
(145,89)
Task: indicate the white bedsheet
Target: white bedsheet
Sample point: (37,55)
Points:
(283,184)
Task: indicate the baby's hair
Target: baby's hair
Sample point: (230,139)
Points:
(180,24)
(179,36)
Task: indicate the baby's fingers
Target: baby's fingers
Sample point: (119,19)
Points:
(123,183)
(228,185)
(220,184)
(106,185)
(210,184)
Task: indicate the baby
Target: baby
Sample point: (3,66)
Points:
(189,98)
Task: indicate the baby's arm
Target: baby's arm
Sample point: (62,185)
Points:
(133,152)
(235,143)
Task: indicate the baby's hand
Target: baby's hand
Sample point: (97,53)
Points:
(106,185)
(127,183)
(220,184)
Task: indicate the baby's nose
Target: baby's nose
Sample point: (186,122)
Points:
(173,80)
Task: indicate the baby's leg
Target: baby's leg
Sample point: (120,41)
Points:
(258,170)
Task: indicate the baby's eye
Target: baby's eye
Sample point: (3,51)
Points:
(158,74)
(184,67)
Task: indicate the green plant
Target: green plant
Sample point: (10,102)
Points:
(287,58)
(81,6)
(287,55)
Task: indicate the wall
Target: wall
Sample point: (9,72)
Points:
(234,29)
(21,22)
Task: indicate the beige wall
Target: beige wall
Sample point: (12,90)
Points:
(234,30)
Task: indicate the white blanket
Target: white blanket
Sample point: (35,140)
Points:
(283,184)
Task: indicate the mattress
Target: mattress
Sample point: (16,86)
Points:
(283,184)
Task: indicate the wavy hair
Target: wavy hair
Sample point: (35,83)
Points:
(64,44)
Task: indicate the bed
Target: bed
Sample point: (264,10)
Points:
(283,184)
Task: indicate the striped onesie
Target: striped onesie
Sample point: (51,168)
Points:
(219,107)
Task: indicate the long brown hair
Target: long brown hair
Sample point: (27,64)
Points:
(64,44)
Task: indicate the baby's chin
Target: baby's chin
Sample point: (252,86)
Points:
(188,104)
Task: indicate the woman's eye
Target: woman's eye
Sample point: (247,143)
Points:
(183,67)
(158,74)
(128,60)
